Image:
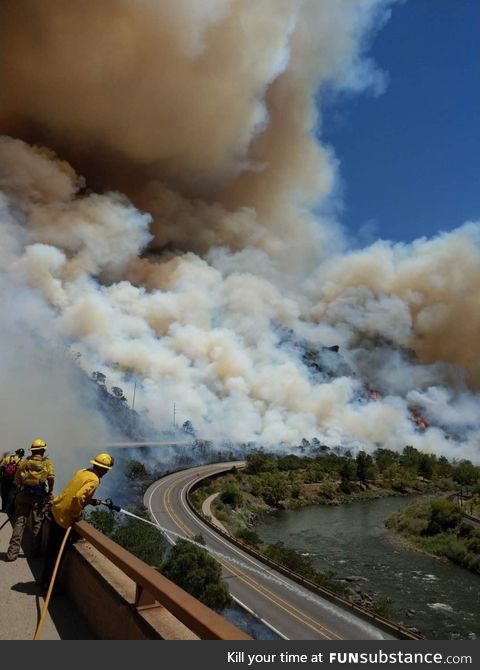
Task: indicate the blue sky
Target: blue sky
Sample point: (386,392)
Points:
(410,158)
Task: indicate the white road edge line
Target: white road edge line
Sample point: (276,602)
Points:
(269,625)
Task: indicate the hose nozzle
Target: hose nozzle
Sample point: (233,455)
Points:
(110,504)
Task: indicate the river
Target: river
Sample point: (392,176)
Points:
(442,599)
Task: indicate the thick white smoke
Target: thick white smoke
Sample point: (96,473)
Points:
(204,113)
(42,392)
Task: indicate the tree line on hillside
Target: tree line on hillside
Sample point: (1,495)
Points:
(276,477)
(113,404)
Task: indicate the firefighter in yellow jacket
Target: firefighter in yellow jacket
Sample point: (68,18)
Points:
(67,507)
(34,478)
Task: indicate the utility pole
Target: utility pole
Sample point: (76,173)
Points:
(174,412)
(134,392)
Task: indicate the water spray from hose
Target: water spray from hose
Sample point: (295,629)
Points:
(265,574)
(167,532)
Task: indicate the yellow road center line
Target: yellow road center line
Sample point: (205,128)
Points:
(260,588)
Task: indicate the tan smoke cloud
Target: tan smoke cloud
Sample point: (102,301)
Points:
(214,98)
(204,113)
(421,296)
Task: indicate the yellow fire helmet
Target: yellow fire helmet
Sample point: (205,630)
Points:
(38,444)
(103,461)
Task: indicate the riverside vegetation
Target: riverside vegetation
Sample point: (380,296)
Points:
(437,527)
(270,482)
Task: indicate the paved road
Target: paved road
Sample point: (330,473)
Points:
(289,609)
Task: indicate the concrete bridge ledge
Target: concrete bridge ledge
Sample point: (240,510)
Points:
(105,597)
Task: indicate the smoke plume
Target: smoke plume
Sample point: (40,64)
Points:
(197,253)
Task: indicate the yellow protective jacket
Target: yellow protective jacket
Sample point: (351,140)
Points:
(67,507)
(34,471)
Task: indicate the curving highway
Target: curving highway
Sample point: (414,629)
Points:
(290,610)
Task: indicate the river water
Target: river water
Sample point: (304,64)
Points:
(351,539)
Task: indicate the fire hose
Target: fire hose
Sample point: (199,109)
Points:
(50,586)
(108,503)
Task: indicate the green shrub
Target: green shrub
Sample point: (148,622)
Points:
(297,490)
(249,536)
(444,515)
(382,607)
(135,470)
(103,521)
(400,485)
(142,540)
(194,570)
(291,462)
(327,489)
(231,495)
(260,462)
(291,559)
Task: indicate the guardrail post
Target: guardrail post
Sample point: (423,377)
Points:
(144,599)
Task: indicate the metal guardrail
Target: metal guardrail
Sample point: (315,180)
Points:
(387,625)
(196,616)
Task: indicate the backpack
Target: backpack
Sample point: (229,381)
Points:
(9,470)
(34,472)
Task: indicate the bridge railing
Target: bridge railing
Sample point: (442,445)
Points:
(154,587)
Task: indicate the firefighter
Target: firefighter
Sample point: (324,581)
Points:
(67,508)
(34,480)
(8,467)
